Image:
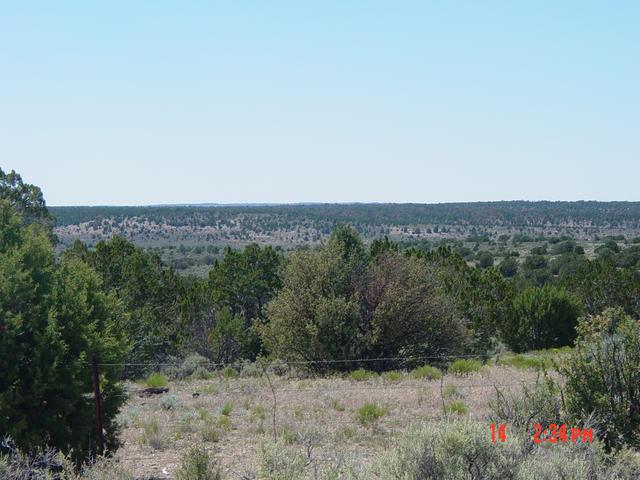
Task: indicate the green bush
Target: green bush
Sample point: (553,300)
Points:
(170,402)
(369,413)
(196,464)
(426,371)
(462,450)
(603,377)
(276,462)
(191,364)
(361,375)
(226,409)
(392,376)
(209,429)
(156,379)
(542,318)
(464,366)
(337,303)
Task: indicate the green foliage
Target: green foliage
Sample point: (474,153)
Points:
(361,374)
(192,363)
(535,269)
(369,413)
(224,422)
(149,291)
(426,371)
(603,377)
(567,246)
(600,284)
(156,379)
(228,339)
(337,303)
(543,318)
(209,430)
(456,408)
(244,282)
(567,265)
(196,464)
(276,462)
(267,218)
(53,317)
(481,297)
(392,376)
(152,434)
(464,366)
(170,402)
(378,247)
(508,267)
(24,199)
(485,259)
(524,361)
(226,409)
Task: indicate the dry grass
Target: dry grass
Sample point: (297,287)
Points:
(232,416)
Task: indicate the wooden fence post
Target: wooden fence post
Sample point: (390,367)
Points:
(98,400)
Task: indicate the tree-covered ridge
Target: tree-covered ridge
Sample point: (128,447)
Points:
(325,216)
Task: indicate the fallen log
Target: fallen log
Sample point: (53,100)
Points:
(147,392)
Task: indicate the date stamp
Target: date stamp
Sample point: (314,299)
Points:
(553,433)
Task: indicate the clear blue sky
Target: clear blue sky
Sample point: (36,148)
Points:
(144,102)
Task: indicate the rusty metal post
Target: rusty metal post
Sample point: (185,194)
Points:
(98,400)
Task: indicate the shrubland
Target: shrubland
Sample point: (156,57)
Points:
(342,306)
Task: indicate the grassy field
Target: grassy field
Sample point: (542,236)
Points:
(324,422)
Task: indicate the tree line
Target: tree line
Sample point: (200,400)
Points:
(326,216)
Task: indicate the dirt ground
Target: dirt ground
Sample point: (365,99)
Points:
(231,417)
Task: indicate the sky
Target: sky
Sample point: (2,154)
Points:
(157,102)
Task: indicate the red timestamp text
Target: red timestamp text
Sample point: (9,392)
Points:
(554,433)
(561,434)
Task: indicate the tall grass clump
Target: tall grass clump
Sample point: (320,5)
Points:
(361,375)
(464,366)
(392,376)
(456,407)
(276,462)
(426,372)
(156,379)
(226,409)
(152,434)
(369,413)
(229,373)
(525,361)
(196,464)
